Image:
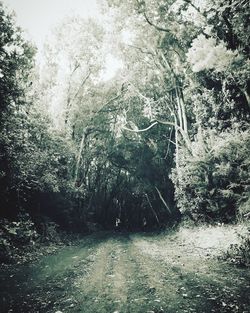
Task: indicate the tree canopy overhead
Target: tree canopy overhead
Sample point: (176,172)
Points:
(142,115)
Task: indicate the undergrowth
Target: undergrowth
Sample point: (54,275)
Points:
(239,253)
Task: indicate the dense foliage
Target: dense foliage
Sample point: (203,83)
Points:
(203,58)
(168,133)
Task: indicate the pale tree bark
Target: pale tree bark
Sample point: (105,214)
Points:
(176,146)
(71,99)
(177,128)
(79,155)
(183,109)
(179,109)
(182,116)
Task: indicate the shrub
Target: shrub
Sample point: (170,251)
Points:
(213,183)
(244,206)
(239,253)
(16,234)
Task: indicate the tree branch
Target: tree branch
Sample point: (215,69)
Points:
(178,128)
(142,51)
(82,84)
(155,26)
(152,209)
(163,201)
(140,130)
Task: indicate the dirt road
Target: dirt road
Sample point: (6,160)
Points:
(111,273)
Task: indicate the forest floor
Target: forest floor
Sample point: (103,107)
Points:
(130,273)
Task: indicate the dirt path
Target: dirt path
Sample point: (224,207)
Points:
(111,273)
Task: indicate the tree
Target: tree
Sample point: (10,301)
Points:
(201,101)
(15,65)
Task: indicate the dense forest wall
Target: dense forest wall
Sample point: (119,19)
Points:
(167,135)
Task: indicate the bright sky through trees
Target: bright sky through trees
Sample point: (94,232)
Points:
(38,17)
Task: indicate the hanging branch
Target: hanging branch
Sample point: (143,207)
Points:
(140,130)
(178,128)
(152,209)
(163,201)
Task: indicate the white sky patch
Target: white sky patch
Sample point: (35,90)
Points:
(38,17)
(128,37)
(112,65)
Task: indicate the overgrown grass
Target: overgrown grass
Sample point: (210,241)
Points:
(228,242)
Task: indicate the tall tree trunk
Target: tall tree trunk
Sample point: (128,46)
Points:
(183,111)
(81,148)
(176,144)
(179,109)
